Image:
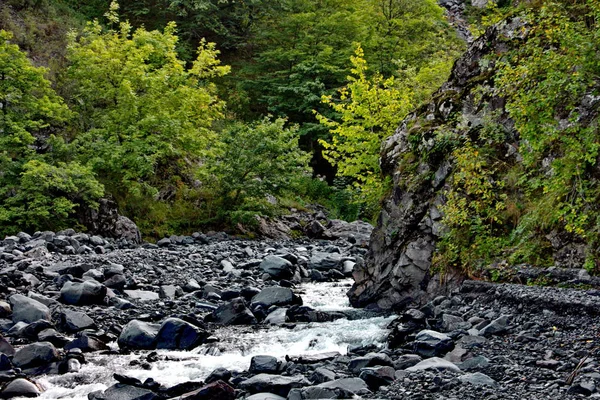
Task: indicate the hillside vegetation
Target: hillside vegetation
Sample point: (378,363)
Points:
(189,113)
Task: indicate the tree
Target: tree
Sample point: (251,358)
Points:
(145,121)
(255,160)
(34,194)
(368,109)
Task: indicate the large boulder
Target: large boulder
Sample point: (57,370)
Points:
(106,221)
(35,355)
(218,390)
(279,385)
(28,310)
(74,321)
(277,267)
(20,388)
(357,232)
(177,334)
(276,296)
(83,293)
(138,335)
(233,312)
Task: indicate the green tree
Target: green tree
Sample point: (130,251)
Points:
(368,109)
(145,121)
(254,160)
(34,194)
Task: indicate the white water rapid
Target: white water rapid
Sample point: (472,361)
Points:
(236,347)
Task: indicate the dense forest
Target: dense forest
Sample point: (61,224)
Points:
(189,113)
(206,113)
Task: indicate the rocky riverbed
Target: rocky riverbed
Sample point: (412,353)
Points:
(212,317)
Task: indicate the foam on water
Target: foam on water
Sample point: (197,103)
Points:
(236,347)
(327,296)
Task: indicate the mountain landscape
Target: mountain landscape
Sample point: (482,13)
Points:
(266,200)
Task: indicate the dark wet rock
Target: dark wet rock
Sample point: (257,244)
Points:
(5,309)
(138,335)
(324,261)
(86,342)
(407,361)
(218,390)
(375,377)
(117,282)
(6,347)
(371,359)
(219,374)
(20,388)
(52,336)
(107,221)
(35,355)
(349,385)
(275,296)
(277,267)
(314,392)
(322,375)
(586,388)
(122,391)
(83,293)
(430,343)
(176,334)
(28,310)
(357,232)
(75,321)
(263,364)
(496,327)
(313,358)
(234,312)
(280,385)
(31,331)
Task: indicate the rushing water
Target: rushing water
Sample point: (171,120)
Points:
(236,347)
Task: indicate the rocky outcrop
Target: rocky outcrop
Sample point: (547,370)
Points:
(107,221)
(397,269)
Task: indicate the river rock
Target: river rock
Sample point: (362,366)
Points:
(478,379)
(263,364)
(35,355)
(218,390)
(234,312)
(6,347)
(351,385)
(74,321)
(28,310)
(20,388)
(86,342)
(496,327)
(5,309)
(277,316)
(265,396)
(277,267)
(371,359)
(120,391)
(83,293)
(375,377)
(177,334)
(324,261)
(219,374)
(142,295)
(275,296)
(434,363)
(322,375)
(430,343)
(280,385)
(138,335)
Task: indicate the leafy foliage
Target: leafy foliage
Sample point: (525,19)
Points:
(33,193)
(145,121)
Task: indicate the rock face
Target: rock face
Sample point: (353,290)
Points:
(107,221)
(397,269)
